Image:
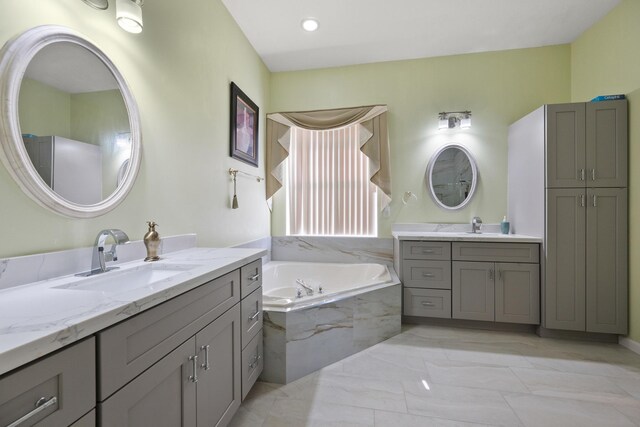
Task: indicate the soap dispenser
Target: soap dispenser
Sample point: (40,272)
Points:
(505,225)
(152,242)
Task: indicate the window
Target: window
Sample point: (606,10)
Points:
(327,184)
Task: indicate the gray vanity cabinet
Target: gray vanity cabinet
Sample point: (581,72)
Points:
(54,391)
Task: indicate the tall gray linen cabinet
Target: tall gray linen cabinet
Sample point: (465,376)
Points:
(567,183)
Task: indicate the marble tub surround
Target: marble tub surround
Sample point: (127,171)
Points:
(299,342)
(444,376)
(332,249)
(457,232)
(40,317)
(21,270)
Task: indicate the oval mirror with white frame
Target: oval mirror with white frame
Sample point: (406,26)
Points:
(452,177)
(69,125)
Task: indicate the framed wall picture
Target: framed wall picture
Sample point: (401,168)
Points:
(244,127)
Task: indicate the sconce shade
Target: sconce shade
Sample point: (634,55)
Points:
(129,15)
(465,122)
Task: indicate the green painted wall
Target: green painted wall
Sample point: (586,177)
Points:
(606,60)
(179,69)
(499,88)
(44,110)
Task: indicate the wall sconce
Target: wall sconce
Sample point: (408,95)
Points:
(98,4)
(451,119)
(129,15)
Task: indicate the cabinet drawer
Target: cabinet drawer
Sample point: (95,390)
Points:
(251,308)
(64,383)
(426,274)
(127,349)
(252,363)
(499,252)
(426,250)
(251,277)
(427,302)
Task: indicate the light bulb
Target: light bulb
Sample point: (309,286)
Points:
(310,24)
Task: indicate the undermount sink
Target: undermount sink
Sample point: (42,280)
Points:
(118,281)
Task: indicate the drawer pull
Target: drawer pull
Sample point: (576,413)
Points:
(194,378)
(254,361)
(41,405)
(593,174)
(428,275)
(254,277)
(581,174)
(428,304)
(427,251)
(205,365)
(254,316)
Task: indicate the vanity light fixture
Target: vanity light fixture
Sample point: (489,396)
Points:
(129,15)
(310,24)
(451,119)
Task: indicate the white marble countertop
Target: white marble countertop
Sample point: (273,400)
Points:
(464,236)
(40,317)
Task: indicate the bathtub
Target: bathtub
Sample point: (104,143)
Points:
(330,282)
(359,306)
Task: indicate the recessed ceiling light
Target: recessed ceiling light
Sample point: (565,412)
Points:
(309,24)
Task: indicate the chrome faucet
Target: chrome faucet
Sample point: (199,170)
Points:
(306,287)
(476,224)
(100,256)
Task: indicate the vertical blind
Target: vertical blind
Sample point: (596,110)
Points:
(328,187)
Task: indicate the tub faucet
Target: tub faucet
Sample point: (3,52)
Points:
(476,224)
(306,287)
(100,256)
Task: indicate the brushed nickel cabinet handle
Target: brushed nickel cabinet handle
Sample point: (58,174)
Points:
(254,277)
(428,275)
(254,361)
(595,201)
(205,365)
(427,251)
(428,304)
(254,316)
(491,276)
(593,174)
(41,404)
(194,378)
(582,200)
(581,174)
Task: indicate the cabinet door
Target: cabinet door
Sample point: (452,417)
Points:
(518,293)
(473,290)
(607,281)
(163,396)
(565,260)
(607,144)
(566,145)
(219,358)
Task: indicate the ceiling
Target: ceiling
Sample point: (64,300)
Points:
(365,31)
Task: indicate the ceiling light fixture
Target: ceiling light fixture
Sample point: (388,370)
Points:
(129,15)
(451,119)
(310,24)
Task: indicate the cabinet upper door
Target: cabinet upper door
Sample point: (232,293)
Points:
(607,280)
(565,130)
(565,259)
(606,136)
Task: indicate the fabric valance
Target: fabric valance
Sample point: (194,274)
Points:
(374,141)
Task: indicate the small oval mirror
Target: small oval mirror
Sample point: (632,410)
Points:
(69,129)
(451,177)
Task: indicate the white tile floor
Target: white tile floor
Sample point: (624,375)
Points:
(438,376)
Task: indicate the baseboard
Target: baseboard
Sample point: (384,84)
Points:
(469,324)
(577,335)
(630,344)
